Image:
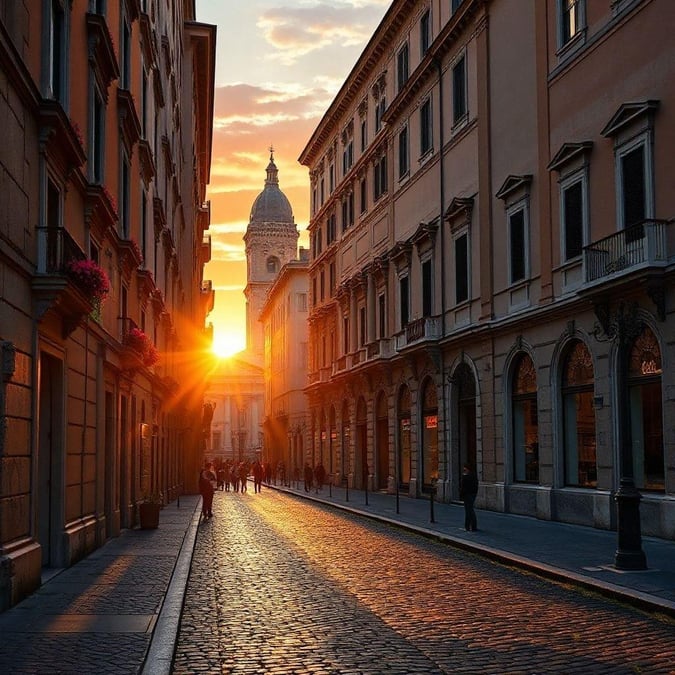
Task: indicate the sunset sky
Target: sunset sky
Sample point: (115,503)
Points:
(279,65)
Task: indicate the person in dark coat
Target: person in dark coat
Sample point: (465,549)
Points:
(206,478)
(308,477)
(468,489)
(320,476)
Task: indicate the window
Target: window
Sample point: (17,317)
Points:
(331,179)
(364,134)
(646,412)
(125,202)
(331,229)
(573,216)
(347,156)
(144,226)
(402,66)
(459,108)
(425,127)
(144,104)
(97,137)
(382,316)
(403,162)
(404,300)
(322,285)
(302,302)
(579,418)
(525,422)
(331,279)
(462,268)
(518,224)
(362,326)
(427,288)
(272,265)
(345,215)
(571,19)
(345,335)
(314,294)
(322,190)
(425,32)
(56,65)
(633,188)
(430,455)
(125,74)
(364,195)
(380,177)
(380,107)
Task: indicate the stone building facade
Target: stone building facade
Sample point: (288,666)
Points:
(107,112)
(285,327)
(492,256)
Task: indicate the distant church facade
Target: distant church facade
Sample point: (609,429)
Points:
(237,388)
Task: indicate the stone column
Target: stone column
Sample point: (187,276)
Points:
(370,306)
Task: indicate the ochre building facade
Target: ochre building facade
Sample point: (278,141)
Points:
(106,110)
(492,250)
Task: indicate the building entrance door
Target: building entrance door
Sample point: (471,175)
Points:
(50,457)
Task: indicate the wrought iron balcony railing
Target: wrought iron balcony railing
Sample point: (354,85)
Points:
(426,328)
(643,245)
(56,248)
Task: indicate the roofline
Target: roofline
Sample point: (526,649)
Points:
(362,70)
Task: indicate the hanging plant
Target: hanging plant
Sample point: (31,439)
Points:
(90,277)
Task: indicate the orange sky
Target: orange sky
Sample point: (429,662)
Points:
(276,74)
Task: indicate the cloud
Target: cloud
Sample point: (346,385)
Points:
(297,31)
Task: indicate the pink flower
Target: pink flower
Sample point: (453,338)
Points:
(141,343)
(92,279)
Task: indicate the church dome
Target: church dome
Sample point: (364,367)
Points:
(271,205)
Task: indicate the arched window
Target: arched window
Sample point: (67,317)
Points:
(430,432)
(579,418)
(646,412)
(525,422)
(404,435)
(272,264)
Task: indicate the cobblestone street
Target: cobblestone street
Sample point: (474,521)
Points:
(279,585)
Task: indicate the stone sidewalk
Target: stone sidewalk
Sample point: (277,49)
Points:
(111,612)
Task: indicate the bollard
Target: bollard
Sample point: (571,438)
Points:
(431,503)
(397,494)
(366,486)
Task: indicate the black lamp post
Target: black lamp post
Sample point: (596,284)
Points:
(624,326)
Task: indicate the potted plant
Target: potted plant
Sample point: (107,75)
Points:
(90,278)
(148,510)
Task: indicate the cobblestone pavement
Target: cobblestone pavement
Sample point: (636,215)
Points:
(283,586)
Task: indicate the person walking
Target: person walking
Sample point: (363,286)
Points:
(320,476)
(308,477)
(206,478)
(468,489)
(257,476)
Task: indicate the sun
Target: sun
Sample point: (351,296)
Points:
(226,344)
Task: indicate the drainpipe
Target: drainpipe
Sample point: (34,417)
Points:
(441,227)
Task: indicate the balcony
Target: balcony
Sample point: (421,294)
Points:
(208,296)
(647,245)
(380,349)
(53,286)
(339,365)
(420,330)
(205,250)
